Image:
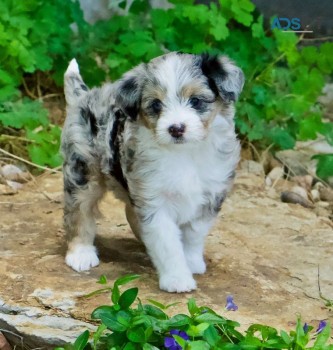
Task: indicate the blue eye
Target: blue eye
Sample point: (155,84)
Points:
(156,106)
(195,102)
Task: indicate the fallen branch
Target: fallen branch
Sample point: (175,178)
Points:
(27,162)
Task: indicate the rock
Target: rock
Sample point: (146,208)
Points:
(10,169)
(319,146)
(4,345)
(300,191)
(13,176)
(7,190)
(14,185)
(295,198)
(304,181)
(315,196)
(268,181)
(297,162)
(276,173)
(262,251)
(39,327)
(252,167)
(326,194)
(323,204)
(318,185)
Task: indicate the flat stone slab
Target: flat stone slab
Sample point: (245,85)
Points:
(263,252)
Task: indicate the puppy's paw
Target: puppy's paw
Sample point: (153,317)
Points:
(197,265)
(82,257)
(177,283)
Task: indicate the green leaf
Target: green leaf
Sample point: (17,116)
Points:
(301,337)
(180,340)
(324,166)
(102,280)
(179,320)
(115,295)
(158,304)
(130,346)
(286,338)
(155,312)
(136,335)
(211,335)
(81,341)
(116,321)
(147,346)
(327,131)
(196,331)
(258,28)
(192,306)
(126,279)
(322,338)
(282,138)
(98,333)
(128,297)
(242,11)
(310,126)
(210,318)
(198,345)
(219,28)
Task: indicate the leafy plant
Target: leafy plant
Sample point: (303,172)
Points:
(147,326)
(35,37)
(283,76)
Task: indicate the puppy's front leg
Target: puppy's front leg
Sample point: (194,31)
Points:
(194,235)
(162,238)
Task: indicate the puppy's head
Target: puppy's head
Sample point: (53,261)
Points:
(177,96)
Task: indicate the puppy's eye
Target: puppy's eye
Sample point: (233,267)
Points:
(195,102)
(156,106)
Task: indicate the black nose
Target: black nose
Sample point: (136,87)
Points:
(177,130)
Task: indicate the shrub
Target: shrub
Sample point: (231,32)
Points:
(279,103)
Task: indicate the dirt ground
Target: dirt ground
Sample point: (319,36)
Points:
(263,252)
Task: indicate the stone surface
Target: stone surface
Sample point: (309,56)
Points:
(263,252)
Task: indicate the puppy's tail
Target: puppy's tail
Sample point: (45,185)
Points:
(74,85)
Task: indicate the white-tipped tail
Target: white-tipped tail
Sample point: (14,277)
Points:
(73,67)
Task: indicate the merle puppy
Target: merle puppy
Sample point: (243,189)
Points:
(163,139)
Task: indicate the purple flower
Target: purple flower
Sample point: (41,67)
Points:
(230,305)
(305,328)
(321,326)
(170,342)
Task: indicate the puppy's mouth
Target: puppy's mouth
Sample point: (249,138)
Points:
(178,140)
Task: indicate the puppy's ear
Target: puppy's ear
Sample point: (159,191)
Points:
(224,77)
(129,89)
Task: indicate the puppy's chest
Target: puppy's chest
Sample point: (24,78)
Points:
(181,177)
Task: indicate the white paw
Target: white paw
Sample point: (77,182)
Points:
(196,265)
(177,283)
(82,257)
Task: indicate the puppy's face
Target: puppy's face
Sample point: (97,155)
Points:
(177,96)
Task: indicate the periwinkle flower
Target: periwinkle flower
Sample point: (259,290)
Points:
(321,326)
(305,328)
(170,342)
(230,305)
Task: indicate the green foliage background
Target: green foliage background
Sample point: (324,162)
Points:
(283,79)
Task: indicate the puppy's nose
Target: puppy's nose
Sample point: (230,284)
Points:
(177,130)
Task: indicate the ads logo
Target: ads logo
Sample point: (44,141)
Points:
(288,25)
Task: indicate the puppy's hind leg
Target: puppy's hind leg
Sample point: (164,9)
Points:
(80,210)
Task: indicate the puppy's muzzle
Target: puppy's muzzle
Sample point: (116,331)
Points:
(177,130)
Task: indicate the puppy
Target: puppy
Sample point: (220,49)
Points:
(163,139)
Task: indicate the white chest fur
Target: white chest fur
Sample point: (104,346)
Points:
(183,177)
